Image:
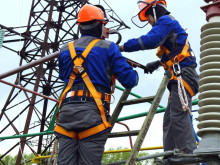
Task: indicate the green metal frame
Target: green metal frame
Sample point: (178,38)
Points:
(133,94)
(195,102)
(51,126)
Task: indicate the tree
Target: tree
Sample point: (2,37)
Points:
(11,160)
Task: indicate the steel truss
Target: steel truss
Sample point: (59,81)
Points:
(51,24)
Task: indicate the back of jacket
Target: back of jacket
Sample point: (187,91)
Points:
(103,61)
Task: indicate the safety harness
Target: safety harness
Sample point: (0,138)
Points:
(175,57)
(171,62)
(181,89)
(78,70)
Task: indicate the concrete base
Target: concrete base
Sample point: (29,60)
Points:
(209,147)
(209,144)
(213,161)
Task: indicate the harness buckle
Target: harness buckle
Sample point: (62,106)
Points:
(176,67)
(79,68)
(110,99)
(83,100)
(192,53)
(113,98)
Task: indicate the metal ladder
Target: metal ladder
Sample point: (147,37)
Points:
(145,127)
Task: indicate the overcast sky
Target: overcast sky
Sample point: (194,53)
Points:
(187,12)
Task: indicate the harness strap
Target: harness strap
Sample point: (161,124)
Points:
(62,131)
(81,135)
(186,85)
(176,55)
(185,48)
(96,97)
(78,62)
(169,55)
(69,85)
(106,97)
(78,69)
(185,53)
(188,88)
(92,131)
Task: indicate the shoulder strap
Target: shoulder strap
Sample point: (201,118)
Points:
(77,61)
(79,69)
(185,48)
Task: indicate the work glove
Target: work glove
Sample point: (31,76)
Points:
(121,48)
(152,66)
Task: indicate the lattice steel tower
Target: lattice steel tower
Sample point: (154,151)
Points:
(51,24)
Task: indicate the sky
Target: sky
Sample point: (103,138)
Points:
(187,12)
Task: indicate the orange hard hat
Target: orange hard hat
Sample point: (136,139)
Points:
(146,4)
(90,13)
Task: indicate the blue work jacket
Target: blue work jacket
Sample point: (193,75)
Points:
(166,32)
(103,61)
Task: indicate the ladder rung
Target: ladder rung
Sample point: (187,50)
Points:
(122,134)
(137,101)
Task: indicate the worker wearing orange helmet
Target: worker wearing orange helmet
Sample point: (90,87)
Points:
(87,66)
(174,50)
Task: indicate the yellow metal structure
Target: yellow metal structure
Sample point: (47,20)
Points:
(129,150)
(38,157)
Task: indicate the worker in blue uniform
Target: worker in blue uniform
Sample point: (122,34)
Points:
(87,66)
(174,51)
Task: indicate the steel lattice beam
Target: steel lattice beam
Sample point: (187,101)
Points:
(51,24)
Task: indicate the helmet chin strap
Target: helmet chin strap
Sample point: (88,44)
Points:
(154,11)
(102,30)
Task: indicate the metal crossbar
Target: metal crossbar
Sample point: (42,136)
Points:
(2,35)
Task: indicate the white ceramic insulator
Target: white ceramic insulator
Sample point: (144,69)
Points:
(209,84)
